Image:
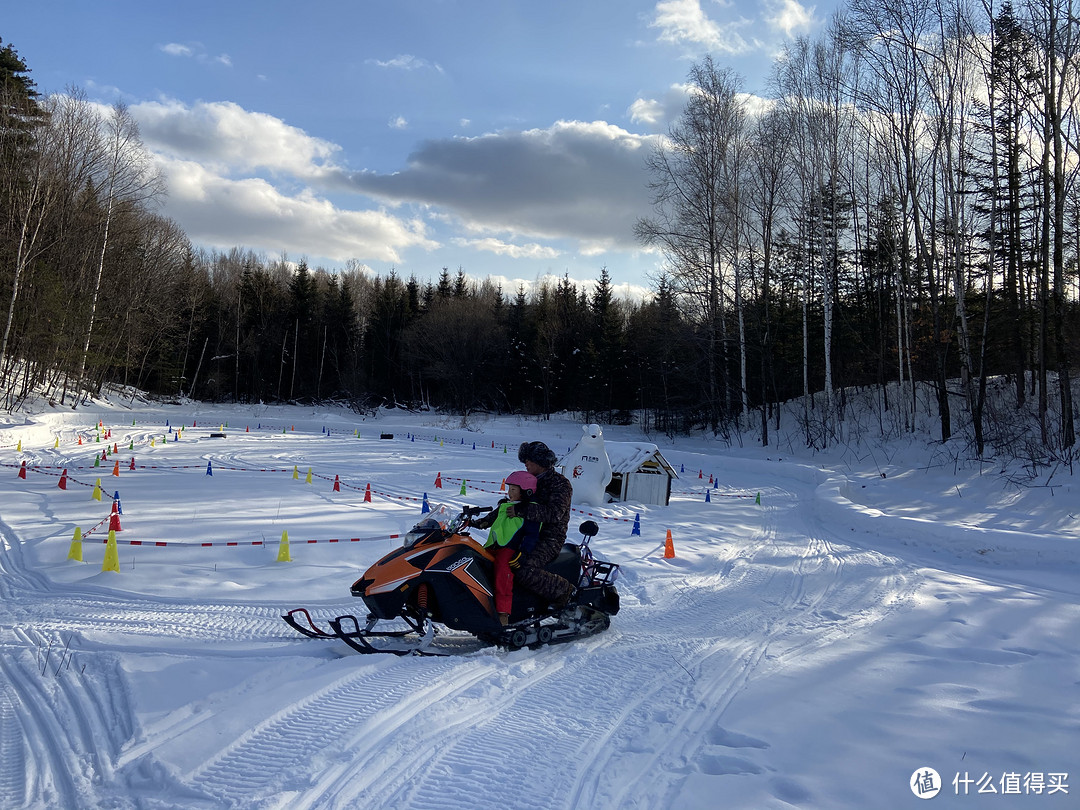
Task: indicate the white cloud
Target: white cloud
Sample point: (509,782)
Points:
(225,135)
(500,248)
(646,111)
(195,51)
(406,61)
(683,22)
(574,179)
(224,212)
(176,49)
(398,122)
(791,17)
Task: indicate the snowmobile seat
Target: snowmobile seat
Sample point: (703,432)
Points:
(568,563)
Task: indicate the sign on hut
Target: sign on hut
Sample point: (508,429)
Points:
(639,473)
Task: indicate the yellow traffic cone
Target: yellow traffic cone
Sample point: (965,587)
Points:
(283,548)
(295,473)
(112,556)
(96,495)
(308,479)
(75,552)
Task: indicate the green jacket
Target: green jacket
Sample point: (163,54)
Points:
(515,532)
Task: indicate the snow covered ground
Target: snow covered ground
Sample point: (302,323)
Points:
(866,621)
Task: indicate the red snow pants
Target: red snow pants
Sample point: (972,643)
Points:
(504,579)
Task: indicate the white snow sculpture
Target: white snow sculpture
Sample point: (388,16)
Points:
(589,467)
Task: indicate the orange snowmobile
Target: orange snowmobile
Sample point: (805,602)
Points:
(441,576)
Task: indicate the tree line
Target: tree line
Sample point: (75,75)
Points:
(899,215)
(908,194)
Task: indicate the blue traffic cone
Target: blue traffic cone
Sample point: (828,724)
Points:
(116,500)
(707,498)
(636,531)
(209,469)
(424,508)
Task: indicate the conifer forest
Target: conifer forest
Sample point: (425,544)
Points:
(899,217)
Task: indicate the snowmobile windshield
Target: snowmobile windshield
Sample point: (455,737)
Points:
(434,521)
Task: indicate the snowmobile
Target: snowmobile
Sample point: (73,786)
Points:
(442,576)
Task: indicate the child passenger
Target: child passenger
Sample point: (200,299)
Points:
(509,536)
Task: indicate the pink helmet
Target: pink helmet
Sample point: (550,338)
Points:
(525,480)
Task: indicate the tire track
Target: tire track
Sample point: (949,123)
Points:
(274,756)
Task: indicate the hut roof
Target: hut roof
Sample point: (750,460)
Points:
(628,457)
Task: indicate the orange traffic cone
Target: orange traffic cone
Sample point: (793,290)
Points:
(669,547)
(63,479)
(337,484)
(114,519)
(22,471)
(116,469)
(367,494)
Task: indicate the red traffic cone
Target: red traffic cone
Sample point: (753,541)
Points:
(114,519)
(367,494)
(438,481)
(337,484)
(131,466)
(22,471)
(63,479)
(669,547)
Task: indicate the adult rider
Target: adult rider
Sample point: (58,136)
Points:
(549,506)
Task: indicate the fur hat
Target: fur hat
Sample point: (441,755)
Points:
(538,453)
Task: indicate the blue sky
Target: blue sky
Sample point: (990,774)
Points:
(506,138)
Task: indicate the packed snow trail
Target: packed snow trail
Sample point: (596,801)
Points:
(788,645)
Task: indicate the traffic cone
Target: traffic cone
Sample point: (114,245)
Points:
(22,471)
(80,441)
(699,474)
(75,551)
(337,484)
(502,486)
(209,468)
(96,494)
(669,547)
(425,507)
(131,445)
(308,479)
(97,461)
(56,443)
(636,531)
(116,469)
(438,481)
(367,494)
(114,519)
(463,487)
(114,450)
(63,479)
(112,556)
(116,500)
(757,500)
(18,449)
(707,498)
(295,473)
(131,466)
(283,548)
